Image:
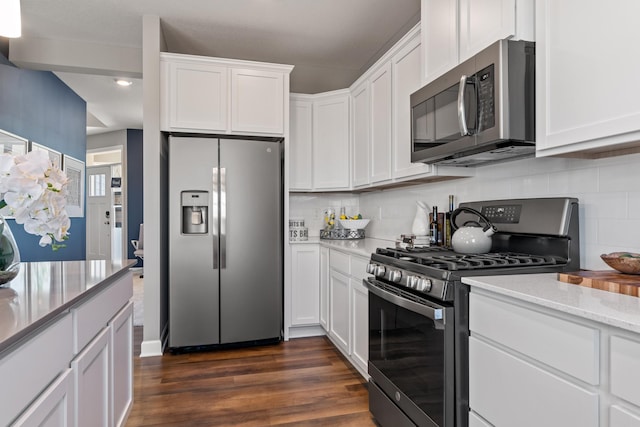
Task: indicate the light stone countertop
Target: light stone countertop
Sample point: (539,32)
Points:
(43,290)
(618,310)
(362,247)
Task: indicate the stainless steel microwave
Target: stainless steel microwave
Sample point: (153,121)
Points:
(480,112)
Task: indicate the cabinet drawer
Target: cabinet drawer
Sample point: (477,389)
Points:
(359,267)
(93,315)
(559,343)
(33,365)
(625,369)
(508,391)
(339,262)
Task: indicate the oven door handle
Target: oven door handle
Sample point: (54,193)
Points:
(434,313)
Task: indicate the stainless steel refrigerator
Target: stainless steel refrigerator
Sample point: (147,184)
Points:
(225,242)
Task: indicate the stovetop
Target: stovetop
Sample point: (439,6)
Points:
(447,260)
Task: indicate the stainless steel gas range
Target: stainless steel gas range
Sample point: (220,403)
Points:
(418,307)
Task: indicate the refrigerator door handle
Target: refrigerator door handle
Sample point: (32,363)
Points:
(223,218)
(214,214)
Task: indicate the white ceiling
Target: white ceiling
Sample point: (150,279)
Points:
(330,42)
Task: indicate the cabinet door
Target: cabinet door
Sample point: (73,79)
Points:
(406,72)
(121,327)
(197,97)
(91,370)
(257,101)
(54,407)
(622,417)
(300,145)
(339,310)
(439,28)
(508,391)
(360,324)
(360,114)
(585,95)
(381,103)
(324,288)
(331,143)
(305,285)
(483,22)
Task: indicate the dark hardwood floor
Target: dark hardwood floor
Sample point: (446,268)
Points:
(303,382)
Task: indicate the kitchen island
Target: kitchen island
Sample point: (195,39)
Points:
(572,353)
(66,343)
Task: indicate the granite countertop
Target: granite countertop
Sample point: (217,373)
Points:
(362,247)
(618,310)
(43,290)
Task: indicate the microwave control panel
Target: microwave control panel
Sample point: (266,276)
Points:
(486,98)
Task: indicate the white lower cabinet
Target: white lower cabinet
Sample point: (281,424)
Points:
(121,328)
(533,366)
(509,391)
(324,288)
(621,417)
(339,310)
(92,382)
(303,302)
(359,324)
(54,407)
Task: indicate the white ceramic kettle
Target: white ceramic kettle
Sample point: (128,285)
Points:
(471,238)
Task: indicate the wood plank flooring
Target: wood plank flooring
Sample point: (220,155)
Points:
(303,382)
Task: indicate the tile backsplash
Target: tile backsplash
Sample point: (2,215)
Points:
(608,191)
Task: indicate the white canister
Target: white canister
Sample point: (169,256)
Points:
(298,234)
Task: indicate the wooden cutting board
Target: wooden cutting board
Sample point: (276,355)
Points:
(609,280)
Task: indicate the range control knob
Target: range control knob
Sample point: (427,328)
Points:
(395,276)
(423,285)
(412,282)
(380,270)
(371,268)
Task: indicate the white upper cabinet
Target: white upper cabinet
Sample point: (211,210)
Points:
(300,144)
(455,30)
(331,141)
(215,95)
(360,113)
(439,24)
(406,74)
(257,101)
(586,68)
(194,96)
(381,106)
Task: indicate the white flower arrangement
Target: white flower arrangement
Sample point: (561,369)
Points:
(33,191)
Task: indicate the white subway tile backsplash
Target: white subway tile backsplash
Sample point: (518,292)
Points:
(620,177)
(607,190)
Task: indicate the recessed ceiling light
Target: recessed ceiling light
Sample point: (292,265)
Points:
(123,82)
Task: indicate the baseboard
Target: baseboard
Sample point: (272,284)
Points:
(306,331)
(155,347)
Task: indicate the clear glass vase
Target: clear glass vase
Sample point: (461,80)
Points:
(9,253)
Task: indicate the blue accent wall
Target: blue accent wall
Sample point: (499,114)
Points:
(38,106)
(134,187)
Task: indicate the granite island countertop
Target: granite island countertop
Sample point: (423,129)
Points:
(43,290)
(618,310)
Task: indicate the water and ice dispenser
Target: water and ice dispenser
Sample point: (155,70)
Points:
(195,212)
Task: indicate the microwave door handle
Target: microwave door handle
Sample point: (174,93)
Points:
(462,116)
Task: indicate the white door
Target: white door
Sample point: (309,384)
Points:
(99,212)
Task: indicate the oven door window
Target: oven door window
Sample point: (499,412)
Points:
(411,351)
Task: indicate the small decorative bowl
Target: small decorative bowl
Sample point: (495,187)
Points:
(354,224)
(624,262)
